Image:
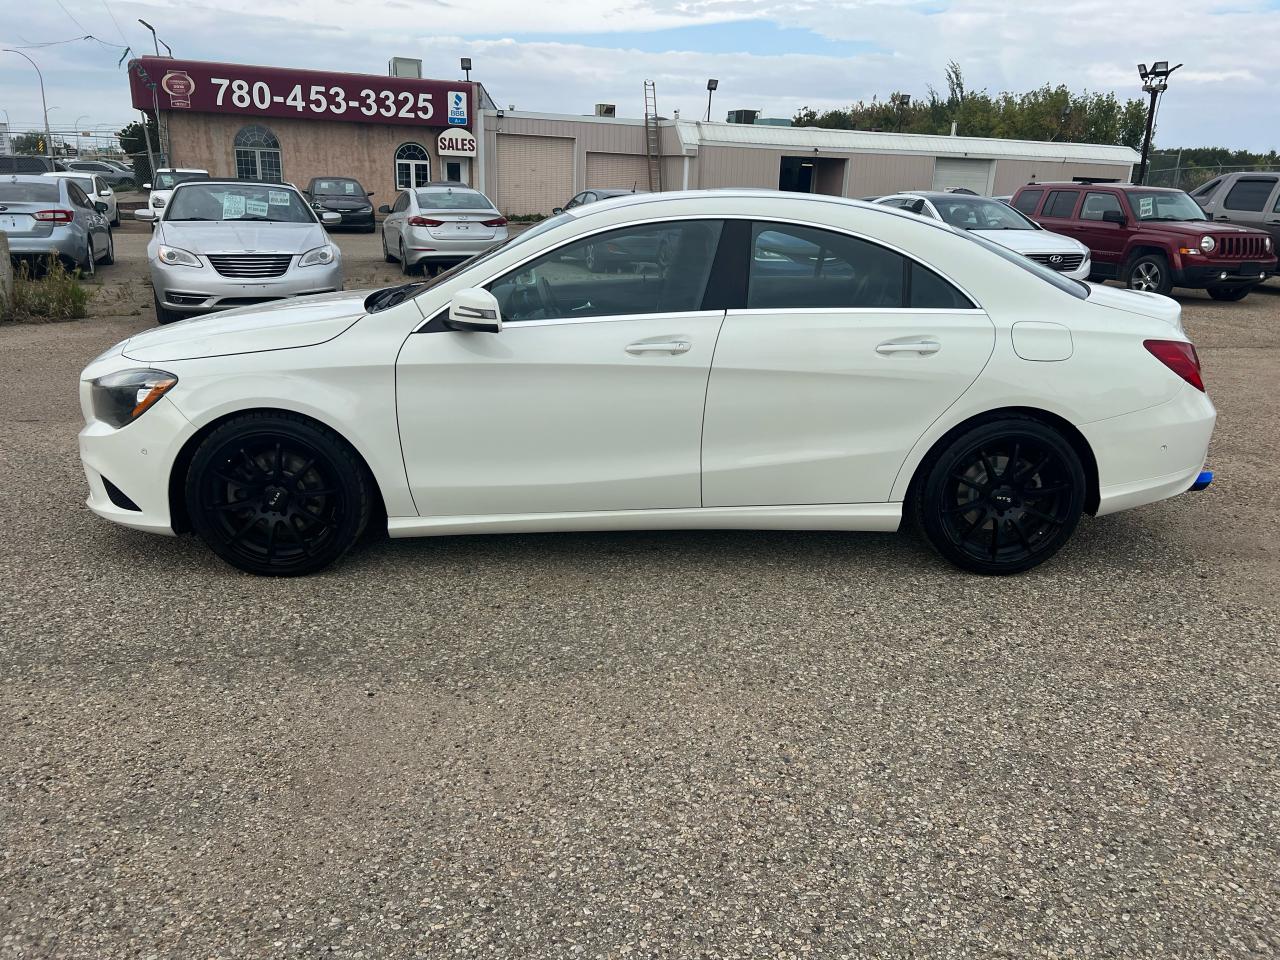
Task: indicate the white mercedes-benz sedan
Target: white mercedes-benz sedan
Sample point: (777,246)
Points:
(768,360)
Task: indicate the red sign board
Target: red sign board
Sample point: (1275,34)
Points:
(201,87)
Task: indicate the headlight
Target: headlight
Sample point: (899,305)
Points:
(1267,243)
(318,257)
(176,256)
(121,398)
(1207,244)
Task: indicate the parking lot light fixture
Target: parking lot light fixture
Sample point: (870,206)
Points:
(466,67)
(711,88)
(1154,82)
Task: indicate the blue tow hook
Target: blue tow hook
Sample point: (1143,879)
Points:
(1202,481)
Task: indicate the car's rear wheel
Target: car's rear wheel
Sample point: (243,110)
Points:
(109,257)
(277,494)
(386,254)
(1150,273)
(1229,293)
(1002,497)
(405,266)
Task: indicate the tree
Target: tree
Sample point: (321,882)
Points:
(133,138)
(31,142)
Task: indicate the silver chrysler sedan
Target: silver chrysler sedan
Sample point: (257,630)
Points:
(220,244)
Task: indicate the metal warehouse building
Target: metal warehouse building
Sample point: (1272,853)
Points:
(401,130)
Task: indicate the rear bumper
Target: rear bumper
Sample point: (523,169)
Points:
(421,247)
(60,243)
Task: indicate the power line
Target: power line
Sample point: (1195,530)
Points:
(73,19)
(54,43)
(115,21)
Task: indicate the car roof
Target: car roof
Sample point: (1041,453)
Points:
(27,178)
(239,181)
(181,170)
(1094,186)
(938,195)
(611,192)
(444,185)
(69,173)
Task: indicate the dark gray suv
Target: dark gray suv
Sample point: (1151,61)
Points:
(1247,199)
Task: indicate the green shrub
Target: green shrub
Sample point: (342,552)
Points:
(48,294)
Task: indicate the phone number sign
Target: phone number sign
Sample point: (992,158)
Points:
(200,87)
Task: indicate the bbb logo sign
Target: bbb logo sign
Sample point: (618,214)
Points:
(457,107)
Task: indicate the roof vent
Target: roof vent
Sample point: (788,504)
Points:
(742,116)
(405,67)
(606,109)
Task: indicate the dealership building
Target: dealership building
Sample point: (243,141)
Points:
(401,130)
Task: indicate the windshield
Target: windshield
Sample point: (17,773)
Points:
(19,192)
(340,187)
(979,213)
(1164,205)
(167,180)
(238,201)
(453,200)
(1077,288)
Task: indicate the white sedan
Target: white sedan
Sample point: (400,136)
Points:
(797,362)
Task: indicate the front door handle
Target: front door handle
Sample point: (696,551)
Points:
(1221,217)
(923,347)
(659,346)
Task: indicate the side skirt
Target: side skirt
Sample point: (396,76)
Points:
(874,517)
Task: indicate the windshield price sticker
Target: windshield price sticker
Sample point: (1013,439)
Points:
(278,198)
(1146,206)
(256,208)
(232,206)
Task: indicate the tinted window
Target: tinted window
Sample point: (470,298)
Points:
(402,203)
(1250,194)
(1206,189)
(1061,203)
(1096,204)
(453,200)
(797,268)
(77,195)
(1026,201)
(930,292)
(28,192)
(648,268)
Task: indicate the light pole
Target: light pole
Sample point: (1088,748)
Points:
(48,140)
(83,116)
(711,88)
(154,39)
(1155,82)
(48,137)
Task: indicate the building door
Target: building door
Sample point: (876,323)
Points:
(413,166)
(457,169)
(795,174)
(956,173)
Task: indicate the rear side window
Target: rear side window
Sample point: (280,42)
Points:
(1249,194)
(1061,204)
(1027,200)
(29,192)
(1096,204)
(798,268)
(930,292)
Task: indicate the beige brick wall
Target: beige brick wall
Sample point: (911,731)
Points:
(308,148)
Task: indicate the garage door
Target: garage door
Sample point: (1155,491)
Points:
(952,172)
(617,171)
(534,173)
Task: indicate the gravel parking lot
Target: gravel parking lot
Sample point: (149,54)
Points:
(647,745)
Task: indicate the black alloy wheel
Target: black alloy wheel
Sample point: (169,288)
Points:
(277,494)
(1003,497)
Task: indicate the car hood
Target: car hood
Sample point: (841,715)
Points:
(1033,241)
(230,236)
(299,322)
(1137,301)
(1195,228)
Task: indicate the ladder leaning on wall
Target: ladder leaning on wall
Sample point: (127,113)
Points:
(652,136)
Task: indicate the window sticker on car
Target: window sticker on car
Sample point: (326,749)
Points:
(256,208)
(232,206)
(349,187)
(278,198)
(1146,206)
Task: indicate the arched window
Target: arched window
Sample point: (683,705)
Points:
(258,154)
(413,166)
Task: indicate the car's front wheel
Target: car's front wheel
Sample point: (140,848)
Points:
(277,494)
(1229,293)
(1001,497)
(1149,273)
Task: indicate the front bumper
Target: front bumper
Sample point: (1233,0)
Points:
(1224,273)
(203,289)
(352,218)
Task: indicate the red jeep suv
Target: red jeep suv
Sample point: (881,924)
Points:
(1152,238)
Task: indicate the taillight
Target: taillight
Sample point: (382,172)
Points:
(496,222)
(54,216)
(1180,357)
(425,222)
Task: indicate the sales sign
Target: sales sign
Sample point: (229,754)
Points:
(200,87)
(455,143)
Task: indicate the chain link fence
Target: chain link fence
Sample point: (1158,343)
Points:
(1169,171)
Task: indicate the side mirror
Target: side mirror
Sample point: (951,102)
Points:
(104,192)
(145,214)
(369,194)
(384,208)
(146,186)
(330,217)
(917,206)
(475,310)
(1114,216)
(556,211)
(100,206)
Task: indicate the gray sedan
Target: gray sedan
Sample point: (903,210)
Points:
(52,216)
(232,243)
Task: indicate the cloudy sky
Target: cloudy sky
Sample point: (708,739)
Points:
(565,55)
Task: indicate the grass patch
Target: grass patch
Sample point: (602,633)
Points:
(47,294)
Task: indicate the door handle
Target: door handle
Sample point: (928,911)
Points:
(1221,217)
(922,347)
(659,346)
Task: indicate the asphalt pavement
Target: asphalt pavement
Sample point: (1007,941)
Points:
(783,745)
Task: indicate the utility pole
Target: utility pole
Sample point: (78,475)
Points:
(48,140)
(1155,82)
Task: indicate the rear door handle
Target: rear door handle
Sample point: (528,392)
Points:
(923,347)
(659,346)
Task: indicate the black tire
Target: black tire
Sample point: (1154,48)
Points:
(1000,498)
(1229,293)
(115,222)
(110,257)
(386,254)
(405,267)
(370,228)
(276,494)
(1149,272)
(163,314)
(88,266)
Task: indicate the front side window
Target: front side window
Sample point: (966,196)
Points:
(1061,204)
(642,269)
(1096,204)
(1250,194)
(413,166)
(1206,189)
(239,201)
(258,155)
(1164,205)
